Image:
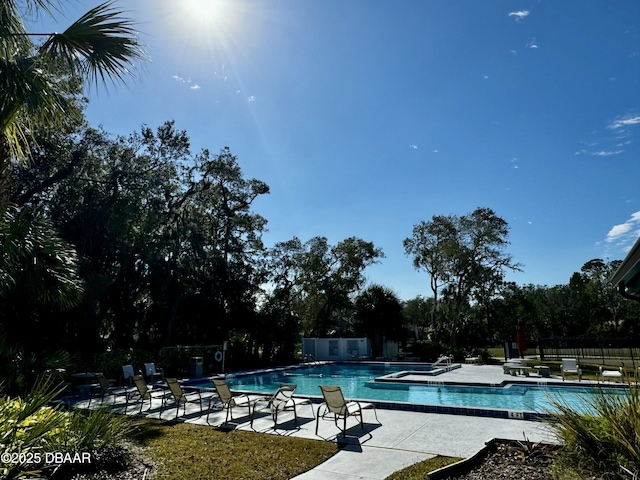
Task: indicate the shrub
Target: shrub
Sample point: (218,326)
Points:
(427,351)
(32,428)
(603,435)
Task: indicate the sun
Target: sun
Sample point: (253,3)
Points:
(200,10)
(210,15)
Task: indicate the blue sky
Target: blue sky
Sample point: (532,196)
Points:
(366,117)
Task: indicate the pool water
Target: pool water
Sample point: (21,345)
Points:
(356,382)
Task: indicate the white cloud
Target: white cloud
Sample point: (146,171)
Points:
(624,234)
(624,122)
(600,153)
(251,99)
(180,79)
(617,231)
(532,43)
(607,153)
(486,77)
(519,14)
(415,147)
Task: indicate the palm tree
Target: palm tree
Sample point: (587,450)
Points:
(41,76)
(40,72)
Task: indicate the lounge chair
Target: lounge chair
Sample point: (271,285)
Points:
(103,389)
(230,401)
(145,392)
(570,367)
(153,373)
(181,397)
(611,374)
(283,400)
(128,373)
(336,405)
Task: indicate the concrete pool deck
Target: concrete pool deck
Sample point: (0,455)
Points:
(407,437)
(374,452)
(402,439)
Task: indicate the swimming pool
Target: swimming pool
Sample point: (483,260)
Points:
(356,382)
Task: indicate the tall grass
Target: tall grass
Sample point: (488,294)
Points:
(602,435)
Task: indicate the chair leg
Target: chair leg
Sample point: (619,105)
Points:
(376,415)
(317,418)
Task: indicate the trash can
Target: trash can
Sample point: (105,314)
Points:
(195,367)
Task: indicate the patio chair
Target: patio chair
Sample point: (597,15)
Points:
(283,400)
(336,405)
(153,373)
(127,374)
(145,392)
(570,367)
(103,389)
(181,397)
(230,401)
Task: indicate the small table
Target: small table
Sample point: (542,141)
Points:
(543,370)
(516,369)
(83,383)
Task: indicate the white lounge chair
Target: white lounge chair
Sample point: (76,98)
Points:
(128,373)
(570,367)
(611,374)
(153,373)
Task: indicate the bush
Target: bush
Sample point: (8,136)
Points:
(603,436)
(32,428)
(427,351)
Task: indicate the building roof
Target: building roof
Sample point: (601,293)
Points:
(627,277)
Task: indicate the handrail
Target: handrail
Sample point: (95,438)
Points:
(313,361)
(442,359)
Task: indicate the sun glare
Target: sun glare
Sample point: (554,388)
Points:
(208,16)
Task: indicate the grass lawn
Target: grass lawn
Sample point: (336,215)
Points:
(421,470)
(187,451)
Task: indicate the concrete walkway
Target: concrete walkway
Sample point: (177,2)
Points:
(405,438)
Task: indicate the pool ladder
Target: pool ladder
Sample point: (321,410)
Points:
(444,360)
(310,359)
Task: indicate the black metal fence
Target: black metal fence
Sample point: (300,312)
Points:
(606,351)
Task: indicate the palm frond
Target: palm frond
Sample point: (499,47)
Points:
(102,45)
(34,255)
